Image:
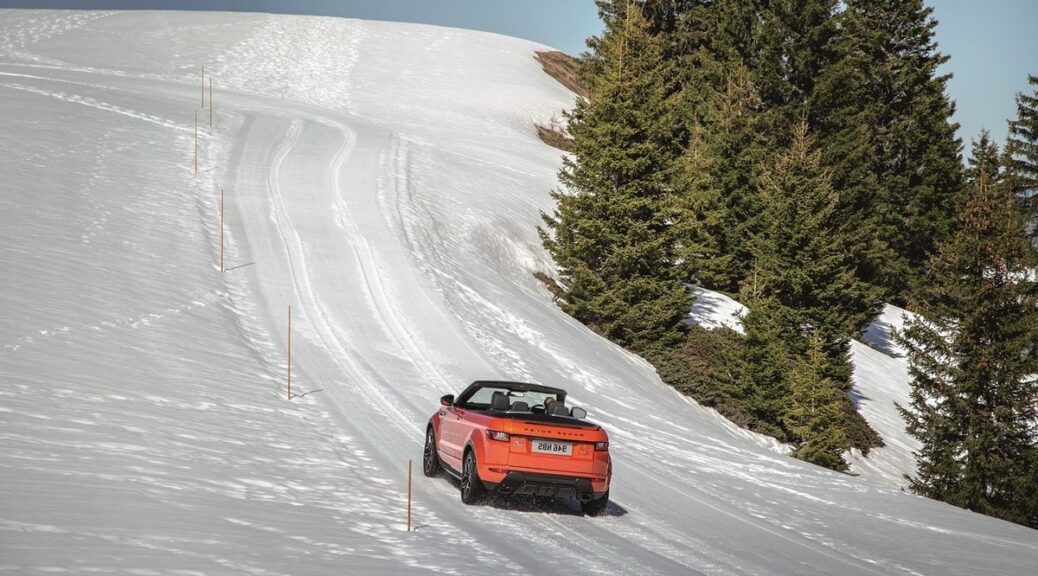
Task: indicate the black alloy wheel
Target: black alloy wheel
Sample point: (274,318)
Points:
(430,459)
(471,487)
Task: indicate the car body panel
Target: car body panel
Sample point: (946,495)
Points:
(458,428)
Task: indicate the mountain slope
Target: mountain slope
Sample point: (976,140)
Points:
(385,181)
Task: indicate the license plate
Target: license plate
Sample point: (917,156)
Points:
(552,447)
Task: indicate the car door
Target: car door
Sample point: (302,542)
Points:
(451,435)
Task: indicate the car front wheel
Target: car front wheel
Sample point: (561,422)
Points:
(430,459)
(471,487)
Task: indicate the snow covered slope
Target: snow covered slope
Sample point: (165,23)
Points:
(385,181)
(881,383)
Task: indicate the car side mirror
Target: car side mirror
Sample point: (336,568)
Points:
(447,400)
(578,413)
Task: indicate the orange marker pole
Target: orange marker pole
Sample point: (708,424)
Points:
(289,352)
(408,495)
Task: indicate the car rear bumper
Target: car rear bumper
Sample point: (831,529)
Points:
(531,484)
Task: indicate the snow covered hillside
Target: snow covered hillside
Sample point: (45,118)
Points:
(385,181)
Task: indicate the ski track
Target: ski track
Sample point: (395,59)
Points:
(387,316)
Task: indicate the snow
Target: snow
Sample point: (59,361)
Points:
(713,310)
(881,383)
(385,180)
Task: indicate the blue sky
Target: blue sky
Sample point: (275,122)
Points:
(992,43)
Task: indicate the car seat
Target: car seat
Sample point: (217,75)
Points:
(498,401)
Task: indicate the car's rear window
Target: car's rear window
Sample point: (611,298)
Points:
(483,395)
(480,400)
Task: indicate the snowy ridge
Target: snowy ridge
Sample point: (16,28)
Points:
(384,180)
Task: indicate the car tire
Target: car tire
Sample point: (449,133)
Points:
(595,507)
(472,489)
(430,458)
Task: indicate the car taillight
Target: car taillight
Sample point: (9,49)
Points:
(600,446)
(499,436)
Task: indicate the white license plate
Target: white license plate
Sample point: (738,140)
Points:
(553,447)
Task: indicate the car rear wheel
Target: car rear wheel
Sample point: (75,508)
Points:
(430,459)
(472,489)
(595,507)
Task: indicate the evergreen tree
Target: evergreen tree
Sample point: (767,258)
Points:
(802,289)
(802,261)
(886,127)
(793,43)
(800,250)
(700,216)
(660,21)
(713,109)
(610,234)
(765,359)
(844,115)
(1022,153)
(722,162)
(712,41)
(815,413)
(985,165)
(974,399)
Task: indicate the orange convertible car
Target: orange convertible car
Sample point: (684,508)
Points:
(517,438)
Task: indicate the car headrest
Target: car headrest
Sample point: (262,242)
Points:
(520,406)
(559,409)
(498,401)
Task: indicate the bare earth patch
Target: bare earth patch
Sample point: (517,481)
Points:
(554,137)
(564,68)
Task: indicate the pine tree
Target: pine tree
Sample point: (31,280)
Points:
(717,179)
(886,127)
(815,414)
(759,66)
(802,261)
(1022,153)
(610,234)
(985,165)
(700,216)
(844,114)
(793,44)
(800,249)
(802,289)
(974,399)
(765,359)
(712,40)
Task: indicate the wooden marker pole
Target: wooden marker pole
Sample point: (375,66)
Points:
(408,495)
(196,141)
(289,352)
(210,101)
(203,85)
(221,231)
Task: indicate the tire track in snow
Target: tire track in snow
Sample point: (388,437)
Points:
(376,289)
(330,336)
(295,253)
(94,103)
